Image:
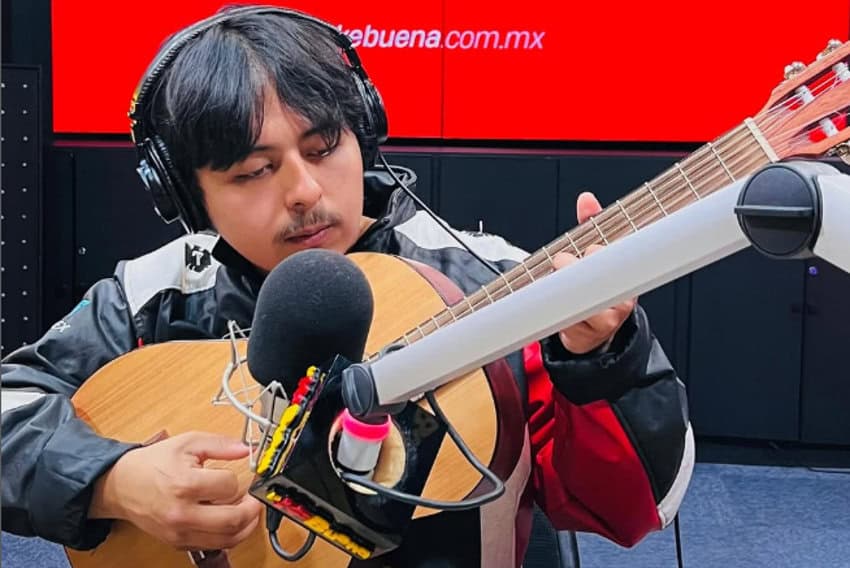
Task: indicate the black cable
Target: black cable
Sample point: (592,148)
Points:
(273,518)
(576,557)
(436,218)
(678,541)
(499,486)
(831,470)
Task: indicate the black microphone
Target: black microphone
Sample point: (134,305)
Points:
(313,306)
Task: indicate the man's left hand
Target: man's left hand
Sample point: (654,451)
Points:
(598,329)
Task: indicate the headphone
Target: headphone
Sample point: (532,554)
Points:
(172,200)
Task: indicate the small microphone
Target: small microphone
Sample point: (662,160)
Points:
(360,443)
(313,306)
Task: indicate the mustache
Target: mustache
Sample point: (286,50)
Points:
(313,217)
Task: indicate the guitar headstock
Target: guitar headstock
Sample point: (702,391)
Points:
(808,114)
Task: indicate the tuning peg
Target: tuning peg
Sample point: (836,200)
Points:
(831,46)
(794,68)
(843,152)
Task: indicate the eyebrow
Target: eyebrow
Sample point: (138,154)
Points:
(318,129)
(260,148)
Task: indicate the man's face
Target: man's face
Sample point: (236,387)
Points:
(291,193)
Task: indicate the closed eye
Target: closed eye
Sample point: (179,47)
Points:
(255,174)
(323,152)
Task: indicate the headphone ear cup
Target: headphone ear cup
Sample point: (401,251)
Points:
(155,170)
(154,179)
(374,127)
(376,114)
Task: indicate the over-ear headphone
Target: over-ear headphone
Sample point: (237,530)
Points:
(172,199)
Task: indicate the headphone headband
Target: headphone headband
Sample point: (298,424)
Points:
(172,200)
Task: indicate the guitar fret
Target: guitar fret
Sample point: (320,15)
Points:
(655,197)
(719,159)
(688,181)
(487,292)
(575,246)
(468,303)
(436,323)
(527,271)
(419,329)
(548,256)
(628,217)
(761,140)
(451,311)
(598,230)
(507,282)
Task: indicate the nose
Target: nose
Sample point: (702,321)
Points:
(301,190)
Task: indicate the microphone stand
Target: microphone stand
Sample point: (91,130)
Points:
(785,210)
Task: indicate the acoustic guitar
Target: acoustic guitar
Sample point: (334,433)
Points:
(169,387)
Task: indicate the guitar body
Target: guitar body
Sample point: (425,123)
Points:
(168,388)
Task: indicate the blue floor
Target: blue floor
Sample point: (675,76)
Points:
(746,517)
(732,516)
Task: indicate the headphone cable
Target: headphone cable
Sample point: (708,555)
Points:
(436,218)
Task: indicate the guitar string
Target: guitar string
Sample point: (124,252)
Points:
(526,272)
(745,158)
(480,298)
(523,273)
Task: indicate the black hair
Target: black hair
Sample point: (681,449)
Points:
(208,105)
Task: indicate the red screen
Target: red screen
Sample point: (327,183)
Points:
(469,69)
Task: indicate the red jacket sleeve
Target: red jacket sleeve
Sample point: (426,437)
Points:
(586,473)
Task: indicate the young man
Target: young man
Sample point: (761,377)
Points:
(264,130)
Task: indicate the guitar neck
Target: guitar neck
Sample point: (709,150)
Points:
(715,165)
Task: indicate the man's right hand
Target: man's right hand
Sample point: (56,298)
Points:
(165,490)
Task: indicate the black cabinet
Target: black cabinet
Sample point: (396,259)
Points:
(825,393)
(767,344)
(22,208)
(115,218)
(746,347)
(610,177)
(511,196)
(58,236)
